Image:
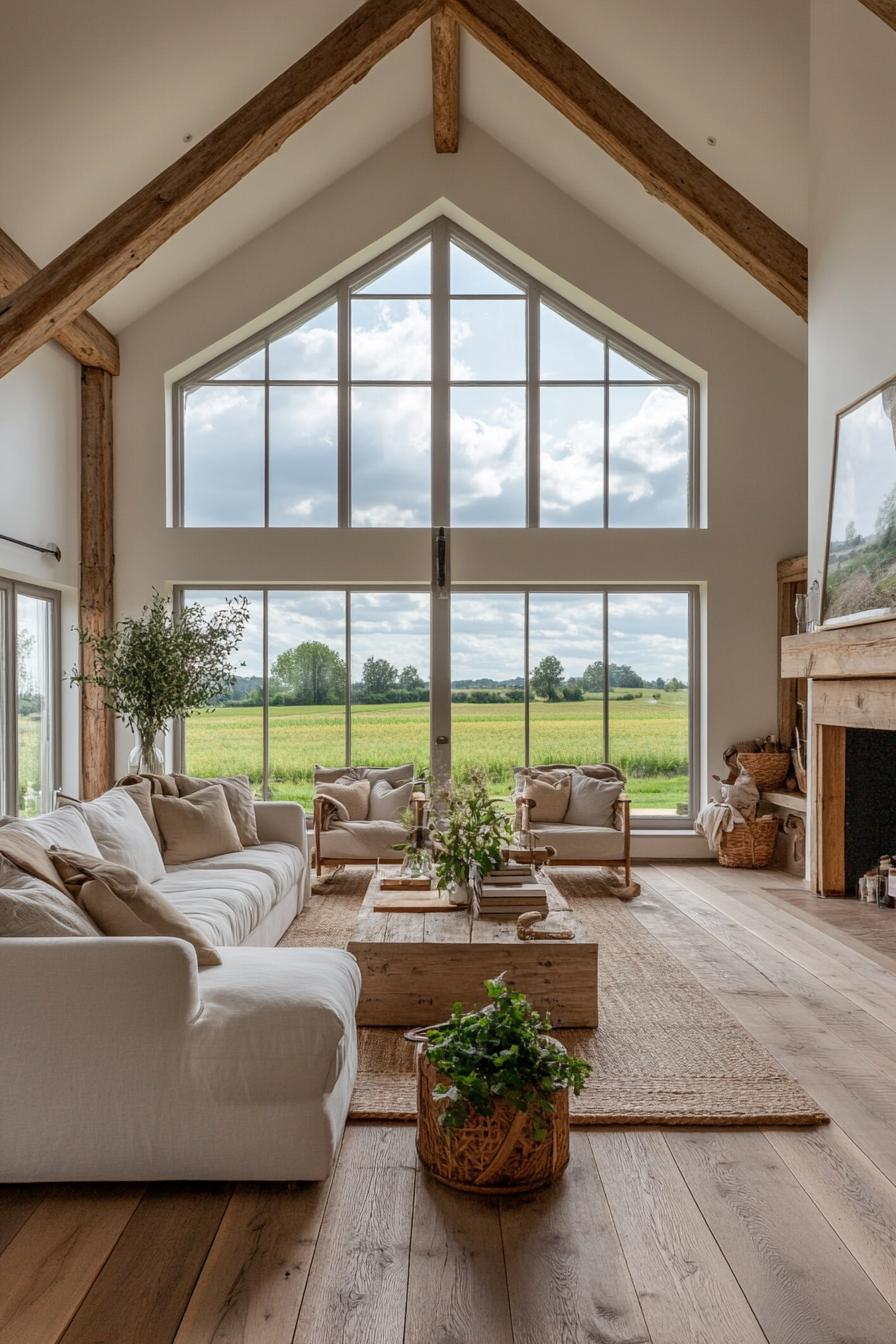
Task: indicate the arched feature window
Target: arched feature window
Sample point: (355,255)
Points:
(438,386)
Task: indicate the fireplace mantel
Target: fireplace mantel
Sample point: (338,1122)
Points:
(844,651)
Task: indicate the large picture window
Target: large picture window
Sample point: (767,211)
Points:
(438,386)
(29,714)
(332,677)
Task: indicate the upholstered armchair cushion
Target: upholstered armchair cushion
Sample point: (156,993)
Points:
(362,841)
(393,774)
(549,793)
(592,801)
(351,796)
(389,801)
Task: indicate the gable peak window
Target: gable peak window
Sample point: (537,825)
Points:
(438,354)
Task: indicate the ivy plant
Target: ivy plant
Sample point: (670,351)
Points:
(500,1052)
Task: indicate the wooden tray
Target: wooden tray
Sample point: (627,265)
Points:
(423,902)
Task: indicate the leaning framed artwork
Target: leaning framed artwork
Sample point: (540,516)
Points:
(860,563)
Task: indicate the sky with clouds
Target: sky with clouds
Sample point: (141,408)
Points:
(866,467)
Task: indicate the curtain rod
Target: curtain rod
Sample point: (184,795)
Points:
(44,550)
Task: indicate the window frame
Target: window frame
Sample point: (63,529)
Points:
(440,657)
(11,590)
(440,234)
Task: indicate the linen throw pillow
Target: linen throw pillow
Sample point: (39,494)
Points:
(197,827)
(388,801)
(240,800)
(65,827)
(26,855)
(592,801)
(550,794)
(30,908)
(123,905)
(120,832)
(353,796)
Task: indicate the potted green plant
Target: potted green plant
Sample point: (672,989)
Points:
(493,1096)
(472,829)
(162,665)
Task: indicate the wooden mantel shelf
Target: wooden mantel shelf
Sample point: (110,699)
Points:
(845,651)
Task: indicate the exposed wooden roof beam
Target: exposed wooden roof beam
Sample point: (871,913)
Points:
(54,297)
(664,167)
(884,9)
(445,83)
(85,338)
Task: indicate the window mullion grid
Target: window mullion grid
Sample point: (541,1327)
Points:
(526,677)
(9,696)
(533,406)
(348,677)
(440,439)
(343,407)
(606,643)
(266,701)
(606,438)
(267,436)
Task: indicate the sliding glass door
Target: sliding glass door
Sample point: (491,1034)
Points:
(29,710)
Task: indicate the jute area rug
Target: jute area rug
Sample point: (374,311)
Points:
(666,1052)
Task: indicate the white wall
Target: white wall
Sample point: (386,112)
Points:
(39,435)
(852,311)
(755,425)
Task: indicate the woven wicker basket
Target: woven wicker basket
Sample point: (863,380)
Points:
(749,845)
(768,768)
(491,1154)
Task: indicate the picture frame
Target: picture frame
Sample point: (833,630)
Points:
(859,582)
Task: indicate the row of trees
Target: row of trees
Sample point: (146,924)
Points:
(314,674)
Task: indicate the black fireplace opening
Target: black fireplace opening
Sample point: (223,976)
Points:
(870,813)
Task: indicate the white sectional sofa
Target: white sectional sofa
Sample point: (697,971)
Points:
(122,1060)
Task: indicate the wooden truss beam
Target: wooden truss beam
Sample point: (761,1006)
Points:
(884,9)
(97,560)
(84,337)
(445,83)
(664,167)
(104,256)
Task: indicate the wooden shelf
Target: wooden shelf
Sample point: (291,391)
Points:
(843,651)
(788,798)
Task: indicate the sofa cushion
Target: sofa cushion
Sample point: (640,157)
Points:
(549,795)
(275,1022)
(592,801)
(583,842)
(388,801)
(27,855)
(226,897)
(123,905)
(352,796)
(240,800)
(362,841)
(197,827)
(120,831)
(30,908)
(65,827)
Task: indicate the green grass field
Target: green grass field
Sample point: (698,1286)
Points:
(648,742)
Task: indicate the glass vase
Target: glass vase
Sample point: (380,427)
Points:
(147,757)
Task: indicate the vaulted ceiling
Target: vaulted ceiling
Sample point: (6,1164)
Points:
(96,98)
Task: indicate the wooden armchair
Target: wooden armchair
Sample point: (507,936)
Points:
(604,842)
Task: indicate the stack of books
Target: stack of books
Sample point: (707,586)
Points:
(509,892)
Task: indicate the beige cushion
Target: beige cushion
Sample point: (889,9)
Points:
(66,827)
(352,795)
(363,841)
(123,905)
(196,827)
(27,855)
(240,799)
(592,801)
(550,796)
(388,801)
(141,792)
(584,844)
(30,908)
(121,834)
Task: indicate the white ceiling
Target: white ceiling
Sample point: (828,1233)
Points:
(96,96)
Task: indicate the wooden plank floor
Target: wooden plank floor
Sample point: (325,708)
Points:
(652,1237)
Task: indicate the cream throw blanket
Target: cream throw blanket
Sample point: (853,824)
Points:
(737,806)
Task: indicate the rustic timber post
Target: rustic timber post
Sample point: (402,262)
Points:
(445,43)
(97,558)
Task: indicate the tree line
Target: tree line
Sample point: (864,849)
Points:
(314,674)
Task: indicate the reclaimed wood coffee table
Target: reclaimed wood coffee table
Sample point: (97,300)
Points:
(414,967)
